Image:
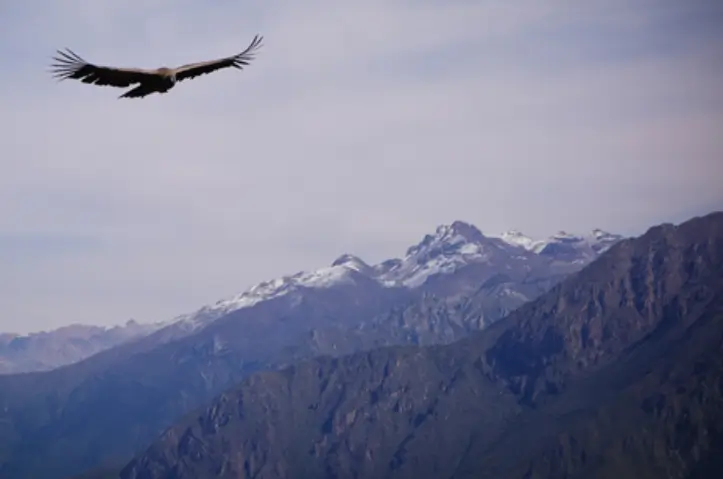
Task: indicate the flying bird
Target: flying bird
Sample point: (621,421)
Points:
(71,66)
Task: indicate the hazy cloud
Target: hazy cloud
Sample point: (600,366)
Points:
(359,128)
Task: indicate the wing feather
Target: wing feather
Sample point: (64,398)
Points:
(71,66)
(193,70)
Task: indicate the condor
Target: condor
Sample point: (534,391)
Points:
(71,66)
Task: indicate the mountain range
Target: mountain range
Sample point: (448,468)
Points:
(456,244)
(103,409)
(616,371)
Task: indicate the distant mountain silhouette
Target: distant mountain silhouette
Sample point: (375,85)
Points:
(46,350)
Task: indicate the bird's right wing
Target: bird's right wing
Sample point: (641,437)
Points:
(238,61)
(70,66)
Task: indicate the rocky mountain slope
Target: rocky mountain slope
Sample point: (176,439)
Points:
(453,282)
(48,350)
(615,372)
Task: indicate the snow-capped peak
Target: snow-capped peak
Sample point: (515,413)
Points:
(601,240)
(599,234)
(565,236)
(338,273)
(352,262)
(563,242)
(455,234)
(451,247)
(598,240)
(517,238)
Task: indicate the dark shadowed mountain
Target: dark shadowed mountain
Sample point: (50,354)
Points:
(106,408)
(615,372)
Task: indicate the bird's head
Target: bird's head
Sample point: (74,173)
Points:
(168,73)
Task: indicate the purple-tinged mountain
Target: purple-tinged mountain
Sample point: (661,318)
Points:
(458,249)
(566,247)
(48,350)
(615,372)
(103,409)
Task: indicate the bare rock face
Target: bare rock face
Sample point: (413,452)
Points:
(615,372)
(639,287)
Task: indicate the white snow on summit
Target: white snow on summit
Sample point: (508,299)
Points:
(451,247)
(448,249)
(352,262)
(598,240)
(516,238)
(321,278)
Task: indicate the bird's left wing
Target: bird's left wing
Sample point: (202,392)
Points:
(70,66)
(193,70)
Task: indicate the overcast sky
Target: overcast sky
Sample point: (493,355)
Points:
(360,126)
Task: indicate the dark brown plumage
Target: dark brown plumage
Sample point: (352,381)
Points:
(71,66)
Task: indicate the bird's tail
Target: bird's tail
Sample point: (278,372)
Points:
(138,92)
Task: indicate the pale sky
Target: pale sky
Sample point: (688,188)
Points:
(359,127)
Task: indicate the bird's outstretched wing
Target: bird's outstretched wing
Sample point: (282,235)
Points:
(70,66)
(193,70)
